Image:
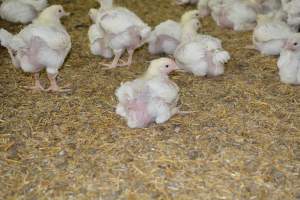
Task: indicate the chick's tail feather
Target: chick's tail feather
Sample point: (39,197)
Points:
(10,42)
(5,38)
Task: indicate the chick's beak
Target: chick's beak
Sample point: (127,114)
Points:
(66,13)
(174,65)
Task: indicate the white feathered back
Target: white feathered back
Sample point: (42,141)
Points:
(119,19)
(272,31)
(39,5)
(170,28)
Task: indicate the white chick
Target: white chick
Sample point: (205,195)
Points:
(21,11)
(239,15)
(200,54)
(97,37)
(150,98)
(183,2)
(270,34)
(289,61)
(43,44)
(125,31)
(166,36)
(203,8)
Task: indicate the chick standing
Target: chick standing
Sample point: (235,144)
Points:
(21,11)
(125,31)
(200,54)
(289,61)
(166,36)
(150,98)
(43,44)
(270,34)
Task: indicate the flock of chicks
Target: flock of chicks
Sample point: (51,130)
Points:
(153,97)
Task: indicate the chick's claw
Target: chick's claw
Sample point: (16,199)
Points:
(37,87)
(56,88)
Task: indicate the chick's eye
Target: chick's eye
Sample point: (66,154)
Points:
(59,11)
(296,43)
(167,66)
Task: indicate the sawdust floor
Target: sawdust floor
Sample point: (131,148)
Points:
(242,143)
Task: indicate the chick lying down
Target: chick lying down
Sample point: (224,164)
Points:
(150,98)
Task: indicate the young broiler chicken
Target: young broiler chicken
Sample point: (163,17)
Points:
(150,98)
(289,61)
(200,54)
(43,44)
(125,31)
(239,15)
(97,37)
(166,36)
(271,33)
(21,11)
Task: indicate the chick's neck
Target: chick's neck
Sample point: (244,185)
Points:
(150,74)
(188,33)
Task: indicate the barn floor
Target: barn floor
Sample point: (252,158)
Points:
(243,142)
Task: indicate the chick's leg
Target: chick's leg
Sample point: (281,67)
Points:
(130,53)
(53,84)
(37,84)
(13,58)
(129,61)
(115,62)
